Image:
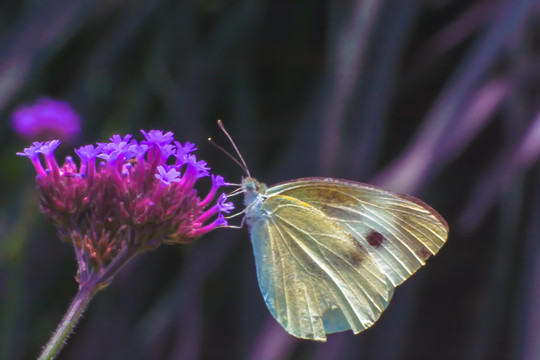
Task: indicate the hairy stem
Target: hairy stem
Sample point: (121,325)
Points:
(85,293)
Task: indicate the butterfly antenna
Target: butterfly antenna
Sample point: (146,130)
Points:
(243,166)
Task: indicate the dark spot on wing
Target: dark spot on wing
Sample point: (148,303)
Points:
(327,195)
(324,194)
(375,239)
(424,253)
(356,257)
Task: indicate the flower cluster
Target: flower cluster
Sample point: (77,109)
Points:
(126,197)
(47,118)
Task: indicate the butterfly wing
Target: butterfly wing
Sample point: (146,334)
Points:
(316,277)
(399,231)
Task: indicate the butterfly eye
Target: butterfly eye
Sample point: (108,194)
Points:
(251,187)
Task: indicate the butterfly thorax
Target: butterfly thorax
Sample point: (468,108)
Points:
(254,194)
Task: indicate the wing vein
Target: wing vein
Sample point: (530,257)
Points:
(336,271)
(284,285)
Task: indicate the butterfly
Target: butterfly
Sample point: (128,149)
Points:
(329,252)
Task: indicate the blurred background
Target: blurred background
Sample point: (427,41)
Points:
(439,99)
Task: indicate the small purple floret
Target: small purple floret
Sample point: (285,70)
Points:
(88,152)
(112,157)
(224,207)
(118,140)
(182,151)
(169,176)
(219,181)
(157,137)
(200,168)
(49,147)
(33,154)
(168,151)
(138,150)
(221,221)
(33,151)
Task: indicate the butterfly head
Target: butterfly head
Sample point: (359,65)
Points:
(253,190)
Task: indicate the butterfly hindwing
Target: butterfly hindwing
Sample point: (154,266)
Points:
(316,277)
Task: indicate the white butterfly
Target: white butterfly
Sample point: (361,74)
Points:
(330,252)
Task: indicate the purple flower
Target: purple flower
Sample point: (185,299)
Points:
(217,182)
(182,151)
(224,207)
(118,144)
(88,153)
(118,140)
(138,150)
(133,202)
(48,147)
(168,151)
(199,167)
(33,151)
(157,137)
(47,118)
(161,144)
(33,154)
(219,208)
(167,177)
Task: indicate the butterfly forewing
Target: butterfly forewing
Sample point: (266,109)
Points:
(400,232)
(316,277)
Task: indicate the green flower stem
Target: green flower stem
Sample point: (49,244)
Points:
(85,293)
(76,309)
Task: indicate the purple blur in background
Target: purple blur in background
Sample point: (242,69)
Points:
(47,119)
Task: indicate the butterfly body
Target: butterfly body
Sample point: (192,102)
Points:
(330,252)
(254,194)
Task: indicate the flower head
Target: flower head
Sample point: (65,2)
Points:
(126,196)
(47,118)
